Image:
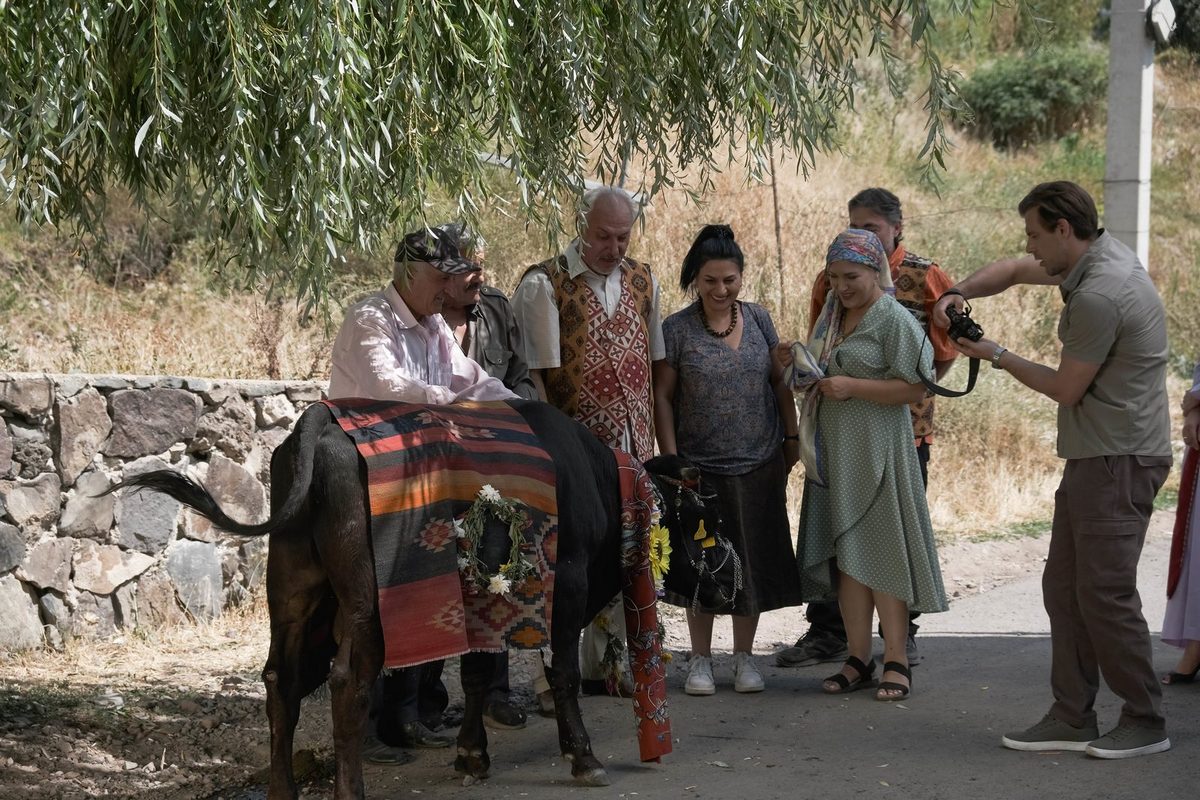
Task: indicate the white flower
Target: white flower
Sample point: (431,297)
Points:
(499,585)
(489,493)
(463,563)
(459,531)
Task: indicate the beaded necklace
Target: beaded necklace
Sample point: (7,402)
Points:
(733,315)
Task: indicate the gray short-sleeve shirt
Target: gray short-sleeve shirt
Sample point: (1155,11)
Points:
(1114,317)
(726,413)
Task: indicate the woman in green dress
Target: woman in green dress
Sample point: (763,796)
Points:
(865,535)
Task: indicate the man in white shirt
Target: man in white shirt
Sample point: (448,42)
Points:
(591,325)
(394,345)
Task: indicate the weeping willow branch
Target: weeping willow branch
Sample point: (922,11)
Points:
(307,128)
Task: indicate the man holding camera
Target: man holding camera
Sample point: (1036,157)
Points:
(919,283)
(1114,433)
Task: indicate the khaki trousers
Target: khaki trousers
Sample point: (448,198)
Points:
(1101,511)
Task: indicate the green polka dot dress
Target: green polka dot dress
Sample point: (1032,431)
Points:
(871,520)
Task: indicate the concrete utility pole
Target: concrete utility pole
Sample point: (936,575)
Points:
(1130,103)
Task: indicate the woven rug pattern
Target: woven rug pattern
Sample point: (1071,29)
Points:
(425,465)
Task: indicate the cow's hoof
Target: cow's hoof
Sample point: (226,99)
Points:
(592,777)
(474,764)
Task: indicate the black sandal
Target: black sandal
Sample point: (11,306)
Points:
(845,685)
(892,686)
(1172,678)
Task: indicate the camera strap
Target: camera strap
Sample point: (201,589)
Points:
(972,375)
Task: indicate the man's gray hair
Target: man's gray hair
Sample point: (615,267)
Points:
(403,271)
(589,199)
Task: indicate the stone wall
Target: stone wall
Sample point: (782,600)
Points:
(73,563)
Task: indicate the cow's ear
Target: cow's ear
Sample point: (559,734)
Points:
(690,476)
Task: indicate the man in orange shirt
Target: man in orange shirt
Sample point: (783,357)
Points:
(919,283)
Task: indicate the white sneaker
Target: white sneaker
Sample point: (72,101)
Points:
(700,677)
(746,677)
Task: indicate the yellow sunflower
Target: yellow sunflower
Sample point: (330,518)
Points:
(660,553)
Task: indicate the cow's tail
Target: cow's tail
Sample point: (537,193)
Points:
(308,430)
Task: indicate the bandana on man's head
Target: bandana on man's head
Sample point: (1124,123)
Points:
(436,248)
(858,247)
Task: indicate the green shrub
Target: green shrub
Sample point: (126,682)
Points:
(1004,26)
(1043,94)
(1187,26)
(1061,22)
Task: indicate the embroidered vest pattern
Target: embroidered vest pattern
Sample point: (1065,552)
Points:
(604,380)
(909,280)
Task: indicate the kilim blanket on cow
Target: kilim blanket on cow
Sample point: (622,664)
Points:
(425,465)
(641,611)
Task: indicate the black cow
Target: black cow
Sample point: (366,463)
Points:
(321,590)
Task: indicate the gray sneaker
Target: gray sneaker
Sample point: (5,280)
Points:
(1051,734)
(1127,741)
(376,752)
(812,648)
(910,650)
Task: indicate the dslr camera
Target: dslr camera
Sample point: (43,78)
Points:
(962,326)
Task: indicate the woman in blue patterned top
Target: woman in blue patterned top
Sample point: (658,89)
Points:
(720,402)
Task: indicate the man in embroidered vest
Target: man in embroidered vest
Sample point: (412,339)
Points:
(592,328)
(1114,433)
(395,345)
(919,283)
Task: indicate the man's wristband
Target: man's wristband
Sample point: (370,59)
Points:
(999,351)
(952,290)
(795,437)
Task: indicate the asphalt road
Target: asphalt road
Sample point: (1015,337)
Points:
(985,671)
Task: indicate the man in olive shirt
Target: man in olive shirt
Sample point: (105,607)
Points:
(1114,432)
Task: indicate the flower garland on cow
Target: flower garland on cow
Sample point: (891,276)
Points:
(477,578)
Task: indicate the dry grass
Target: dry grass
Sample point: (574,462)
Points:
(234,644)
(64,320)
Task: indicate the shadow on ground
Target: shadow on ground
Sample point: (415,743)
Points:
(787,742)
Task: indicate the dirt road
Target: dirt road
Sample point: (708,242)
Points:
(182,717)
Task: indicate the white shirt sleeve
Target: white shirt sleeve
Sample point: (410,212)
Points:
(371,361)
(658,347)
(536,312)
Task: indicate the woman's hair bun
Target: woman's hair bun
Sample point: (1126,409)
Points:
(716,232)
